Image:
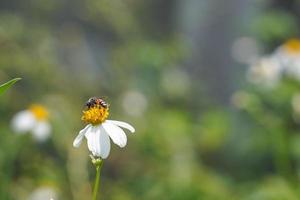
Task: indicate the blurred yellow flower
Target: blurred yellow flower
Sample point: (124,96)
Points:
(34,120)
(99,129)
(292,46)
(39,111)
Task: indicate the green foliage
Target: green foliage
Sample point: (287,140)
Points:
(214,130)
(274,25)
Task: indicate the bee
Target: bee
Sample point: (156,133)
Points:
(93,101)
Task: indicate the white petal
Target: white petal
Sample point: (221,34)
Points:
(123,125)
(98,141)
(115,133)
(23,121)
(80,136)
(41,131)
(104,143)
(92,135)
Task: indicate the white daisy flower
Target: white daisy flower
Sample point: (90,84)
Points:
(266,71)
(288,55)
(34,120)
(99,129)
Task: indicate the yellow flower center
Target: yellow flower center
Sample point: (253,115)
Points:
(292,46)
(39,111)
(95,115)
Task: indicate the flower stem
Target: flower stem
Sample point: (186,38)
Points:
(98,164)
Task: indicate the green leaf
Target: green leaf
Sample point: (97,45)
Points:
(7,85)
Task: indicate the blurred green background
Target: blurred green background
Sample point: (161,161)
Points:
(169,68)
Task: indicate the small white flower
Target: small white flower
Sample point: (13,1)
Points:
(34,120)
(266,71)
(137,99)
(99,130)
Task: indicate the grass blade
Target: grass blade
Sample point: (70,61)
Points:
(8,84)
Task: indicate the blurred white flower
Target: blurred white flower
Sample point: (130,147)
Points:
(99,129)
(288,56)
(245,50)
(138,100)
(34,120)
(266,72)
(175,82)
(43,192)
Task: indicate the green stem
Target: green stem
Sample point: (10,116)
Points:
(281,154)
(97,180)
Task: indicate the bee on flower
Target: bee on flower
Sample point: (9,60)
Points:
(99,130)
(33,120)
